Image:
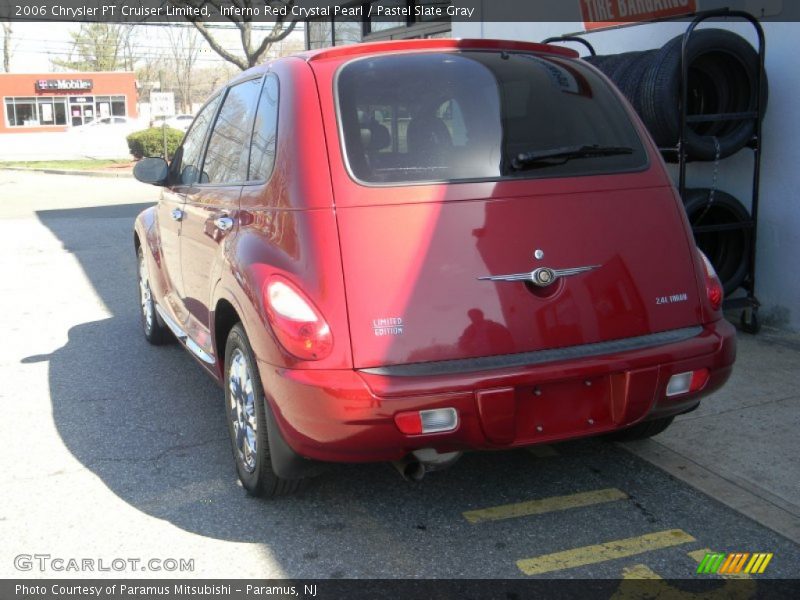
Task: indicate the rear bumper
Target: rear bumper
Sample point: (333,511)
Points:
(348,415)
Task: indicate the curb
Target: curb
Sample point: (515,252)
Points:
(70,172)
(751,501)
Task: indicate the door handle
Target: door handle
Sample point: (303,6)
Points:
(223,223)
(177,214)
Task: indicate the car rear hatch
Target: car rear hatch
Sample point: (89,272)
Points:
(470,174)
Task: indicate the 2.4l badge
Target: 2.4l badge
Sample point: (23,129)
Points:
(674,299)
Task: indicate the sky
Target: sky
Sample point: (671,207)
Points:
(34,44)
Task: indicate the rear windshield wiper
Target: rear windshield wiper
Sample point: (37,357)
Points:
(558,156)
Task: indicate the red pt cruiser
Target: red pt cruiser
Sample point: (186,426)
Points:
(404,250)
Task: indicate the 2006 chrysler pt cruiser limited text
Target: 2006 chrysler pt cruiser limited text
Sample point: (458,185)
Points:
(400,251)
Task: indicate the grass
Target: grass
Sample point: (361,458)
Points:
(72,165)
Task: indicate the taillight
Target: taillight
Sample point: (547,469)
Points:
(298,325)
(713,286)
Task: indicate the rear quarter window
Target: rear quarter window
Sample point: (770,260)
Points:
(226,156)
(464,116)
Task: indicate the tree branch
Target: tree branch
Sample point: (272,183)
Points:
(251,55)
(216,47)
(272,38)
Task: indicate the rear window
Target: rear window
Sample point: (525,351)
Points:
(464,116)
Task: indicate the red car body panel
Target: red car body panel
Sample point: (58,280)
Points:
(347,415)
(369,255)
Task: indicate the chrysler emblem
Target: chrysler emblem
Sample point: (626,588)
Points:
(541,277)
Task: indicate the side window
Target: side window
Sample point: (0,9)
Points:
(185,166)
(265,132)
(226,157)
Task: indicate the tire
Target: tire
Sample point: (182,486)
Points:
(723,69)
(155,331)
(602,63)
(625,71)
(641,431)
(728,251)
(629,75)
(245,410)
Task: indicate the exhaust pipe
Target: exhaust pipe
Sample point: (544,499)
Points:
(414,466)
(410,468)
(435,461)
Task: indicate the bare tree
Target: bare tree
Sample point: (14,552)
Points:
(7,51)
(149,70)
(128,45)
(95,47)
(254,45)
(184,49)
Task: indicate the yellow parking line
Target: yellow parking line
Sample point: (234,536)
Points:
(543,451)
(589,555)
(544,505)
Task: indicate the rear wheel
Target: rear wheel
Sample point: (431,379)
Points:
(247,421)
(641,431)
(155,331)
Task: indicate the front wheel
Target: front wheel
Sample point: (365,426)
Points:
(247,421)
(641,431)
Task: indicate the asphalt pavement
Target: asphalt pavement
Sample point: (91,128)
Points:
(114,449)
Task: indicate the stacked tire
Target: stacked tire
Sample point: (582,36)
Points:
(723,76)
(728,250)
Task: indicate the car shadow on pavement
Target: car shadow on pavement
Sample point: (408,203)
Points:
(150,424)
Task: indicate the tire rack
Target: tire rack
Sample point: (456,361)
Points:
(748,304)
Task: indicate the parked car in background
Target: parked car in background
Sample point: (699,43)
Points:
(108,124)
(180,122)
(102,138)
(402,251)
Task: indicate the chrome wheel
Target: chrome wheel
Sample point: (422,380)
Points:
(145,297)
(243,409)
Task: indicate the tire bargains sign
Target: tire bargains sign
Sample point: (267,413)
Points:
(601,14)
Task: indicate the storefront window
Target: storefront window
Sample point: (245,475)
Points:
(25,109)
(30,112)
(385,23)
(398,19)
(60,110)
(118,106)
(46,116)
(109,106)
(102,106)
(320,34)
(346,31)
(10,115)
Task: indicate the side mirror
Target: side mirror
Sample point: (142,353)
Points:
(151,170)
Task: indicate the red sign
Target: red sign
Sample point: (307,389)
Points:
(600,14)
